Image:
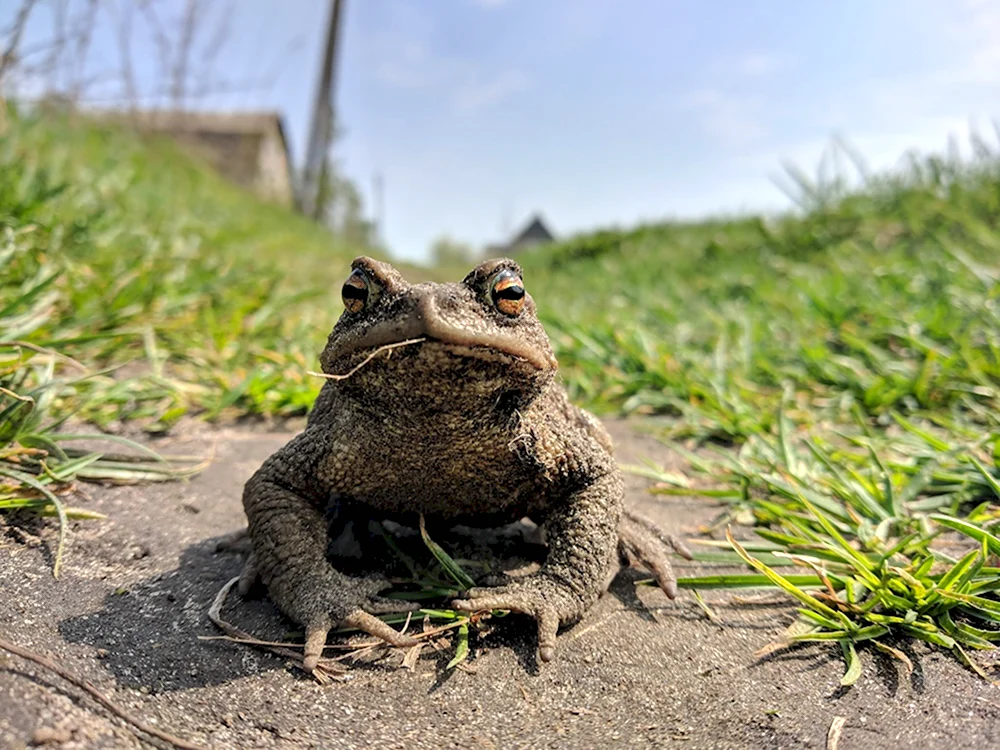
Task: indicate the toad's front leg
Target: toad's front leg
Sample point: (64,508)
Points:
(283,503)
(582,535)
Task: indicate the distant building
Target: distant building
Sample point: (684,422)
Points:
(534,233)
(248,148)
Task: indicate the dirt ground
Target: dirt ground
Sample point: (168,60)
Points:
(638,671)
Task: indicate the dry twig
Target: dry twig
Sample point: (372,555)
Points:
(366,360)
(134,722)
(326,671)
(833,735)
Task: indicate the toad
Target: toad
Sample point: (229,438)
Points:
(441,400)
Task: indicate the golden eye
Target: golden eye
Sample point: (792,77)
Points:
(356,291)
(508,293)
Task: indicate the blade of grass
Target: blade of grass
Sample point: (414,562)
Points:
(782,583)
(970,530)
(30,481)
(461,646)
(453,569)
(853,663)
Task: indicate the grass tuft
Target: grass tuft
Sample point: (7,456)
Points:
(892,537)
(832,375)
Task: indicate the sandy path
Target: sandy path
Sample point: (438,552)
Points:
(638,671)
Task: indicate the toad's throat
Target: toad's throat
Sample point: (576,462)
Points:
(434,329)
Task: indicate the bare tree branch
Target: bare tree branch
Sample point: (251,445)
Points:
(191,95)
(218,40)
(182,56)
(277,67)
(160,40)
(9,56)
(60,11)
(83,36)
(123,27)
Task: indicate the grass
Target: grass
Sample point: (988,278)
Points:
(848,358)
(712,324)
(137,286)
(831,375)
(130,257)
(866,517)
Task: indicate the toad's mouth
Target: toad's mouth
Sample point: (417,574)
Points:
(423,330)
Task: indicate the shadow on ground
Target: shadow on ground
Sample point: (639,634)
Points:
(143,631)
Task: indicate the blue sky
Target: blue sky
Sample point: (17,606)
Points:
(595,112)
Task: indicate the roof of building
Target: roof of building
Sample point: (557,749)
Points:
(243,122)
(534,231)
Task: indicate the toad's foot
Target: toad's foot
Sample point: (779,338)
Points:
(318,629)
(548,601)
(642,542)
(321,605)
(361,604)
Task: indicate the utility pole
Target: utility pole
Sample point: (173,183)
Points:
(321,129)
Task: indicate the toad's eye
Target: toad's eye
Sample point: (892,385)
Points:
(356,291)
(508,293)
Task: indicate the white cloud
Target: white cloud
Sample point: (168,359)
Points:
(882,117)
(404,58)
(732,120)
(466,87)
(400,50)
(880,149)
(478,92)
(976,31)
(756,65)
(411,66)
(967,85)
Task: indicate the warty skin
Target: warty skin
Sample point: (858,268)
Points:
(444,402)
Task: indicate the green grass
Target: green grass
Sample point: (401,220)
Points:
(866,517)
(850,354)
(831,376)
(122,253)
(137,285)
(711,323)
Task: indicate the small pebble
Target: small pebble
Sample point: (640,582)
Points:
(48,735)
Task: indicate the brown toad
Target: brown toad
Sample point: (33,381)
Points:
(445,404)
